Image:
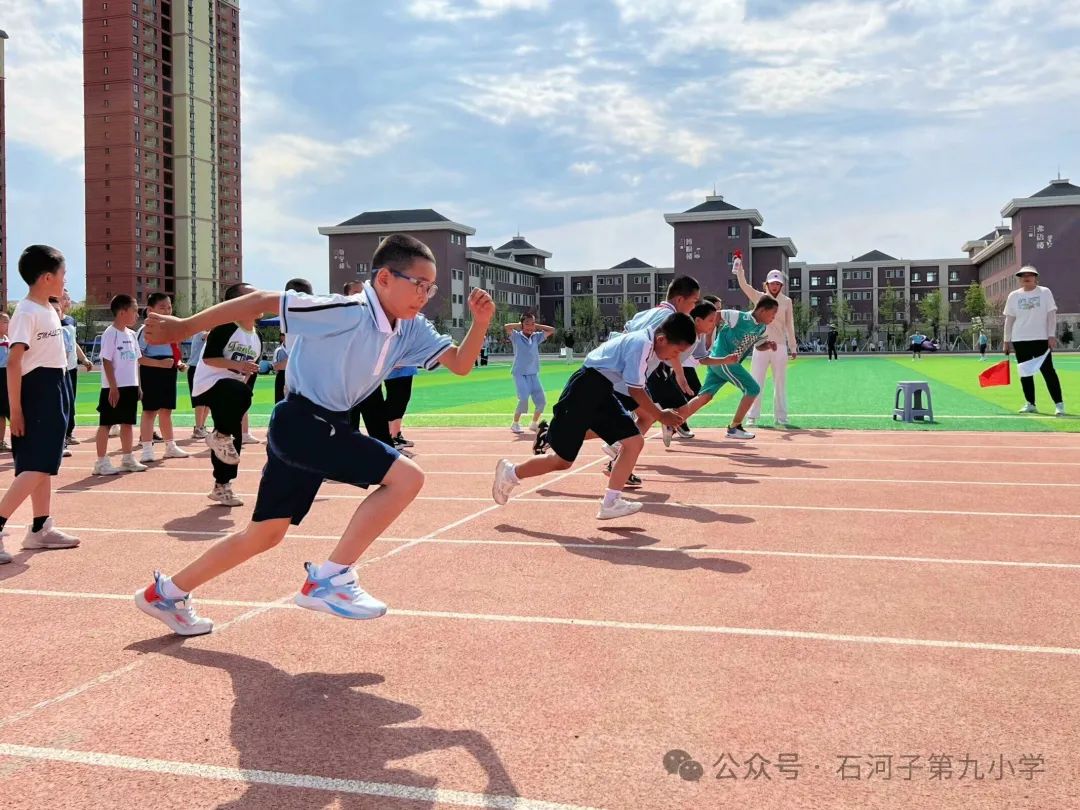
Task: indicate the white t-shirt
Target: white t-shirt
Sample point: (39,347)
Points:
(121,348)
(228,342)
(1032,312)
(69,346)
(38,328)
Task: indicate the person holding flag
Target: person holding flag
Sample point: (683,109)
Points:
(1031,329)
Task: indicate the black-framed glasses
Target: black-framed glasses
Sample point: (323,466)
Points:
(426,287)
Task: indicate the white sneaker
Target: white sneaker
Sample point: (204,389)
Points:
(177,614)
(249,438)
(66,453)
(5,558)
(114,431)
(683,432)
(224,495)
(739,433)
(49,537)
(147,456)
(516,428)
(534,426)
(338,595)
(665,435)
(172,451)
(612,450)
(129,464)
(1028,408)
(1059,409)
(504,483)
(621,508)
(221,445)
(104,466)
(198,433)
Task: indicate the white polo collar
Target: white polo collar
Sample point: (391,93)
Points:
(379,313)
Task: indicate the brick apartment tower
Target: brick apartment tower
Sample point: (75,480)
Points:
(3,187)
(162,132)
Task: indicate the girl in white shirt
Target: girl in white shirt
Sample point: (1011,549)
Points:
(781,332)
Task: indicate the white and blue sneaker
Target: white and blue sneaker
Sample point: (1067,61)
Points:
(177,614)
(338,595)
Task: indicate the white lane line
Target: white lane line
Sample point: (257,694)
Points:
(600,548)
(762,632)
(591,503)
(390,790)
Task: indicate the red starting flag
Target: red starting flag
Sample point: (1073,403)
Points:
(997,374)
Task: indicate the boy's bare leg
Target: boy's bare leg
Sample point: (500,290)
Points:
(230,552)
(541,465)
(378,510)
(744,407)
(624,464)
(41,497)
(146,427)
(101,441)
(3,428)
(165,421)
(24,486)
(201,412)
(126,436)
(694,405)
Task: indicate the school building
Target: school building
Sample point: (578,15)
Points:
(1044,231)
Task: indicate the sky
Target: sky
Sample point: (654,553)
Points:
(851,125)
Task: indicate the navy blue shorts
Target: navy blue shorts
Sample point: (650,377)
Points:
(588,402)
(46,403)
(5,408)
(126,410)
(158,387)
(307,444)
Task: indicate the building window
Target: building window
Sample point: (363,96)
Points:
(732,284)
(815,281)
(813,300)
(954,276)
(831,282)
(931,278)
(733,231)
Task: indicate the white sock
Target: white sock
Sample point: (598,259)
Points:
(611,496)
(126,456)
(170,591)
(101,459)
(329,569)
(513,474)
(172,446)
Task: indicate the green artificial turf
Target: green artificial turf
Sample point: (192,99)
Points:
(855,392)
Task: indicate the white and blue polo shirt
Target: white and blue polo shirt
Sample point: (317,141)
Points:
(625,360)
(526,351)
(342,347)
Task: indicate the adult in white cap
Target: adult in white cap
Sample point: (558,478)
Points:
(781,332)
(1031,330)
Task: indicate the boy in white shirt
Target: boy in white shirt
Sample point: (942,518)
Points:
(38,392)
(1031,329)
(118,403)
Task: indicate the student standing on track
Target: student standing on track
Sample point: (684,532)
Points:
(5,351)
(198,343)
(75,358)
(159,367)
(310,440)
(39,400)
(526,337)
(1031,329)
(118,402)
(781,332)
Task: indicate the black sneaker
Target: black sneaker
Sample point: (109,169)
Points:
(684,432)
(633,482)
(401,441)
(540,443)
(157,438)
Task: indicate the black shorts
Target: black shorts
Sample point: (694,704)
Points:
(191,383)
(45,399)
(307,444)
(588,402)
(126,409)
(5,406)
(279,386)
(158,388)
(254,378)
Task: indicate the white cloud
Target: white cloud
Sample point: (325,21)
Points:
(606,114)
(447,11)
(44,76)
(606,241)
(585,168)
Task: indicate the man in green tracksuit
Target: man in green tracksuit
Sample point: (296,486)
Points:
(736,336)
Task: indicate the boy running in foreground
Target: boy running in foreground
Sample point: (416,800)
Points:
(309,438)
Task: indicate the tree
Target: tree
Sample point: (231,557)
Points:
(629,310)
(888,306)
(841,314)
(934,311)
(585,316)
(1066,334)
(805,319)
(975,303)
(440,317)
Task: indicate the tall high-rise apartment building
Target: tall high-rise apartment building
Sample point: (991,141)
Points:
(162,129)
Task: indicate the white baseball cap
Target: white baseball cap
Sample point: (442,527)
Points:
(1027,268)
(775,275)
